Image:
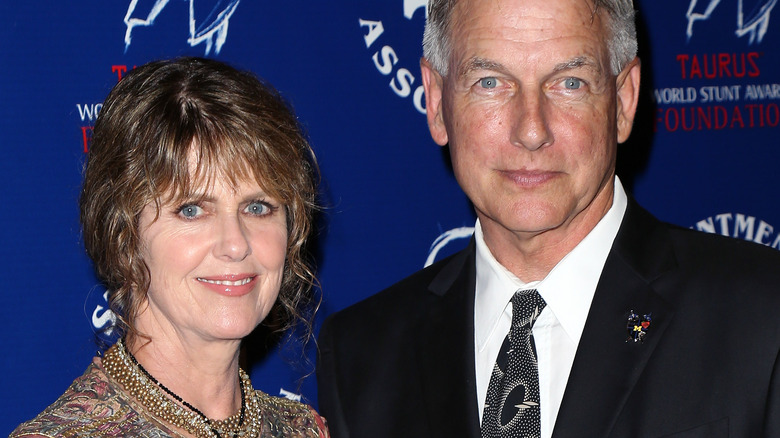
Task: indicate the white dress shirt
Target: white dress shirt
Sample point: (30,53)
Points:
(568,291)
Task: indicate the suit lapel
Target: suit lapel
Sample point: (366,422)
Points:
(445,350)
(606,367)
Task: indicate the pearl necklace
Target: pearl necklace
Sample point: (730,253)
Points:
(122,366)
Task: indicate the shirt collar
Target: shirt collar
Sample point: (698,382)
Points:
(569,287)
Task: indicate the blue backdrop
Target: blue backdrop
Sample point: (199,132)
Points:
(704,153)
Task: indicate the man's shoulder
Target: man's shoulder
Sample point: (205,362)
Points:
(724,253)
(714,271)
(410,293)
(655,245)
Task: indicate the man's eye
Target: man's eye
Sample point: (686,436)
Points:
(488,82)
(572,83)
(190,211)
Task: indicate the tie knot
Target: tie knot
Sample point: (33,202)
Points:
(526,307)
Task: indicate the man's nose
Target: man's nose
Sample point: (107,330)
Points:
(530,120)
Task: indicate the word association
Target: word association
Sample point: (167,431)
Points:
(386,60)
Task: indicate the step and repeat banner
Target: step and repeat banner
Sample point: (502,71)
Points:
(704,154)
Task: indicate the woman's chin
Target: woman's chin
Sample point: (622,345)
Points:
(232,332)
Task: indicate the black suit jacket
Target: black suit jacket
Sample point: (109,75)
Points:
(401,363)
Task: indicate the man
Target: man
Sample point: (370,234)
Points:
(642,329)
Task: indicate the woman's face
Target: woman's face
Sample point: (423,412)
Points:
(215,262)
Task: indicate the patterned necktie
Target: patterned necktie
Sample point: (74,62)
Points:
(512,404)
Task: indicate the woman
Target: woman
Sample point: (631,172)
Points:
(197,201)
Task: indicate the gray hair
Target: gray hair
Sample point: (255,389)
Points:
(437,41)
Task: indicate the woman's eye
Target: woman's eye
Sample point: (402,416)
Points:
(489,82)
(190,211)
(258,208)
(572,83)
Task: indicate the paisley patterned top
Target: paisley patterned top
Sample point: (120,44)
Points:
(96,406)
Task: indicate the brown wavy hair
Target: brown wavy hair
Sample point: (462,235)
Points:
(236,127)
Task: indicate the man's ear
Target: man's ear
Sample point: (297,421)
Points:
(433,83)
(627,98)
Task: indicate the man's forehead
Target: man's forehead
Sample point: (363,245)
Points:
(468,10)
(590,4)
(531,29)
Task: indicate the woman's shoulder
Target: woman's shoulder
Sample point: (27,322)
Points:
(289,418)
(91,406)
(81,399)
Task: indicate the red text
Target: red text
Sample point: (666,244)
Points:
(719,65)
(717,117)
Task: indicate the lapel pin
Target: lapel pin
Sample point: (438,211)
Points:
(637,326)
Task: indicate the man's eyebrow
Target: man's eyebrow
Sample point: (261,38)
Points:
(477,64)
(577,62)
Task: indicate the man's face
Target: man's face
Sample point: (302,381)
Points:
(532,114)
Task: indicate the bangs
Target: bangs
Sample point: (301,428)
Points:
(193,174)
(201,152)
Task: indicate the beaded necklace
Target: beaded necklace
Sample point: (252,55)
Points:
(122,366)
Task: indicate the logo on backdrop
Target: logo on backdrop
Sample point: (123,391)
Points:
(447,243)
(386,59)
(754,24)
(206,26)
(102,318)
(722,89)
(741,226)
